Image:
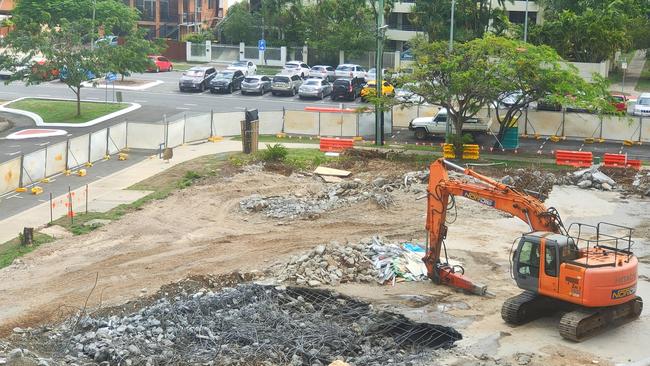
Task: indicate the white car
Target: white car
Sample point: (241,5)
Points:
(247,67)
(323,72)
(372,74)
(297,67)
(642,106)
(406,95)
(350,71)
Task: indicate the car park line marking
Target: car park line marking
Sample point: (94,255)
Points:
(190,104)
(182,108)
(13,196)
(139,101)
(13,153)
(43,144)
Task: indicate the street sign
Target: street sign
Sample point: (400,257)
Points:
(261,45)
(624,66)
(111,76)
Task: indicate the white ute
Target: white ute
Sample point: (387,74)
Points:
(437,125)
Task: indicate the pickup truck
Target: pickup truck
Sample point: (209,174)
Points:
(437,125)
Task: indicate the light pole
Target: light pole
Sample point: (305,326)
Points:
(451,48)
(526,23)
(92,31)
(379,58)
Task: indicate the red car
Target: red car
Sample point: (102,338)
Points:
(160,63)
(619,101)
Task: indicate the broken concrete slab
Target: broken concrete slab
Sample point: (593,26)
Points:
(323,170)
(56,231)
(331,179)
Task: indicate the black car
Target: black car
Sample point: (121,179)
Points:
(196,78)
(348,89)
(227,81)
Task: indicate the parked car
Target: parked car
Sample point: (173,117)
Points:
(196,78)
(348,89)
(247,67)
(618,101)
(509,99)
(437,125)
(107,40)
(226,81)
(44,70)
(350,71)
(323,72)
(545,104)
(406,95)
(318,88)
(47,73)
(256,84)
(642,106)
(286,84)
(297,67)
(407,55)
(370,89)
(160,63)
(372,74)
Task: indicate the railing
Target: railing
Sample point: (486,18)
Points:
(620,245)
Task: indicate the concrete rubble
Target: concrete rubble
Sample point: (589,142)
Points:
(249,324)
(641,183)
(333,196)
(591,178)
(530,180)
(372,259)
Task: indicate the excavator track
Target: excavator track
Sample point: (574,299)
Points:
(585,322)
(525,307)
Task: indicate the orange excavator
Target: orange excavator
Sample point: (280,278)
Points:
(587,271)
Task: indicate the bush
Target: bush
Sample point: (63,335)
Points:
(188,179)
(275,153)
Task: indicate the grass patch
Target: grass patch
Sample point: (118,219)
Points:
(643,85)
(57,111)
(268,70)
(12,249)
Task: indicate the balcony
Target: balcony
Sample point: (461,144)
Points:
(404,34)
(403,6)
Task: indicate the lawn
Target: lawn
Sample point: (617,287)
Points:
(13,249)
(643,85)
(268,70)
(65,111)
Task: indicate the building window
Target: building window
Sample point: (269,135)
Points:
(212,4)
(518,17)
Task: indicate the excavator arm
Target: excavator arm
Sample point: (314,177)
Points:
(486,191)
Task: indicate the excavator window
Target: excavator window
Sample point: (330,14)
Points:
(550,262)
(528,263)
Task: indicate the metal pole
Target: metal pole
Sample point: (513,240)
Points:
(86,199)
(526,23)
(70,210)
(378,65)
(451,26)
(92,33)
(51,213)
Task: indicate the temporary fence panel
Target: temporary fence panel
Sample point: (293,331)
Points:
(227,124)
(55,162)
(33,167)
(330,124)
(644,130)
(145,135)
(301,122)
(367,124)
(270,122)
(580,125)
(197,127)
(78,151)
(116,138)
(175,132)
(9,175)
(98,145)
(542,122)
(620,128)
(403,116)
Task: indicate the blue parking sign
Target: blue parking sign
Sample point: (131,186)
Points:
(111,76)
(261,44)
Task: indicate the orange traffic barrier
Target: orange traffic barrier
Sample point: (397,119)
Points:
(335,145)
(573,158)
(620,161)
(329,110)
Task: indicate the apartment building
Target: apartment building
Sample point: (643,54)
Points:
(175,18)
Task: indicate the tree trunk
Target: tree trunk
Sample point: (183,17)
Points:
(78,92)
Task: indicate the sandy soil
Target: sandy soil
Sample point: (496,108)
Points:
(201,230)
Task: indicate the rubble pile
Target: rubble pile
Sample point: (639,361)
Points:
(369,260)
(249,324)
(591,178)
(530,180)
(641,183)
(335,195)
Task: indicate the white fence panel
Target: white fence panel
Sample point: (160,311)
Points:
(175,133)
(117,138)
(78,151)
(98,145)
(270,122)
(197,127)
(301,122)
(55,162)
(581,125)
(9,175)
(34,167)
(145,135)
(620,128)
(227,124)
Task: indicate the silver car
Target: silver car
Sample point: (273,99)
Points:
(315,88)
(286,84)
(256,84)
(323,72)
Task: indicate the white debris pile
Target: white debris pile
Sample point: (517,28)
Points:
(335,195)
(592,178)
(369,260)
(641,183)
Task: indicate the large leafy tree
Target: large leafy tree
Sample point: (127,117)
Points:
(240,25)
(63,33)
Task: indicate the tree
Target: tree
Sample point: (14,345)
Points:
(240,25)
(62,32)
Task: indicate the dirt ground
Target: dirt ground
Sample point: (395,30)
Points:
(201,230)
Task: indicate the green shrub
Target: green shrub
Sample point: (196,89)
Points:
(275,153)
(188,179)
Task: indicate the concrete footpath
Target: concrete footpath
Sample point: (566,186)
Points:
(112,191)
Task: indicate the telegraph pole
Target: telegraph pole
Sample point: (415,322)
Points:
(379,58)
